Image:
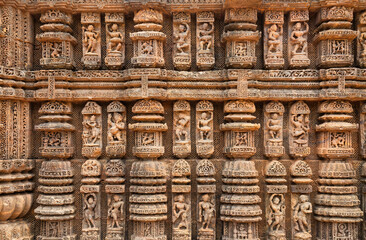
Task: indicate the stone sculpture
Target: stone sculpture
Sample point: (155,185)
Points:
(91,40)
(204,130)
(115,39)
(273,39)
(182,39)
(205,40)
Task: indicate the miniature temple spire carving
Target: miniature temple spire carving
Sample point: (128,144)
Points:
(56,210)
(240,210)
(148,200)
(337,210)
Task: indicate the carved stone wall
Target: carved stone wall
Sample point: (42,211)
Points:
(182,119)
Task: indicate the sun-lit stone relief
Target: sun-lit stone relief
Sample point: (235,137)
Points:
(182,119)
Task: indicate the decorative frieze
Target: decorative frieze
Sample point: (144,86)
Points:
(298,31)
(240,210)
(115,40)
(334,36)
(182,129)
(91,171)
(337,205)
(56,39)
(148,200)
(299,127)
(206,203)
(56,210)
(148,40)
(204,129)
(91,40)
(181,205)
(182,40)
(205,40)
(273,39)
(241,36)
(273,130)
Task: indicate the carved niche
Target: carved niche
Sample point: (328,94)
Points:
(182,129)
(363,130)
(56,210)
(16,196)
(205,56)
(361,43)
(91,171)
(240,210)
(116,207)
(148,40)
(181,200)
(115,40)
(206,205)
(298,31)
(116,136)
(241,36)
(182,40)
(56,39)
(273,39)
(276,188)
(148,200)
(337,210)
(299,130)
(273,130)
(91,40)
(204,129)
(334,36)
(301,206)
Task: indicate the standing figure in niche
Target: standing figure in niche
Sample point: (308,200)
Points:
(180,127)
(116,125)
(90,39)
(180,210)
(203,126)
(274,41)
(297,37)
(301,212)
(115,211)
(274,126)
(362,40)
(300,129)
(182,38)
(205,36)
(116,39)
(89,210)
(94,130)
(206,212)
(277,215)
(56,49)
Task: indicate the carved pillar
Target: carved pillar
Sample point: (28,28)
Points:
(91,40)
(181,189)
(16,195)
(361,43)
(91,171)
(301,207)
(182,129)
(204,130)
(240,210)
(56,210)
(273,130)
(298,31)
(115,171)
(115,39)
(56,39)
(205,56)
(337,206)
(182,40)
(334,36)
(148,200)
(299,130)
(276,189)
(273,39)
(206,206)
(148,40)
(241,36)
